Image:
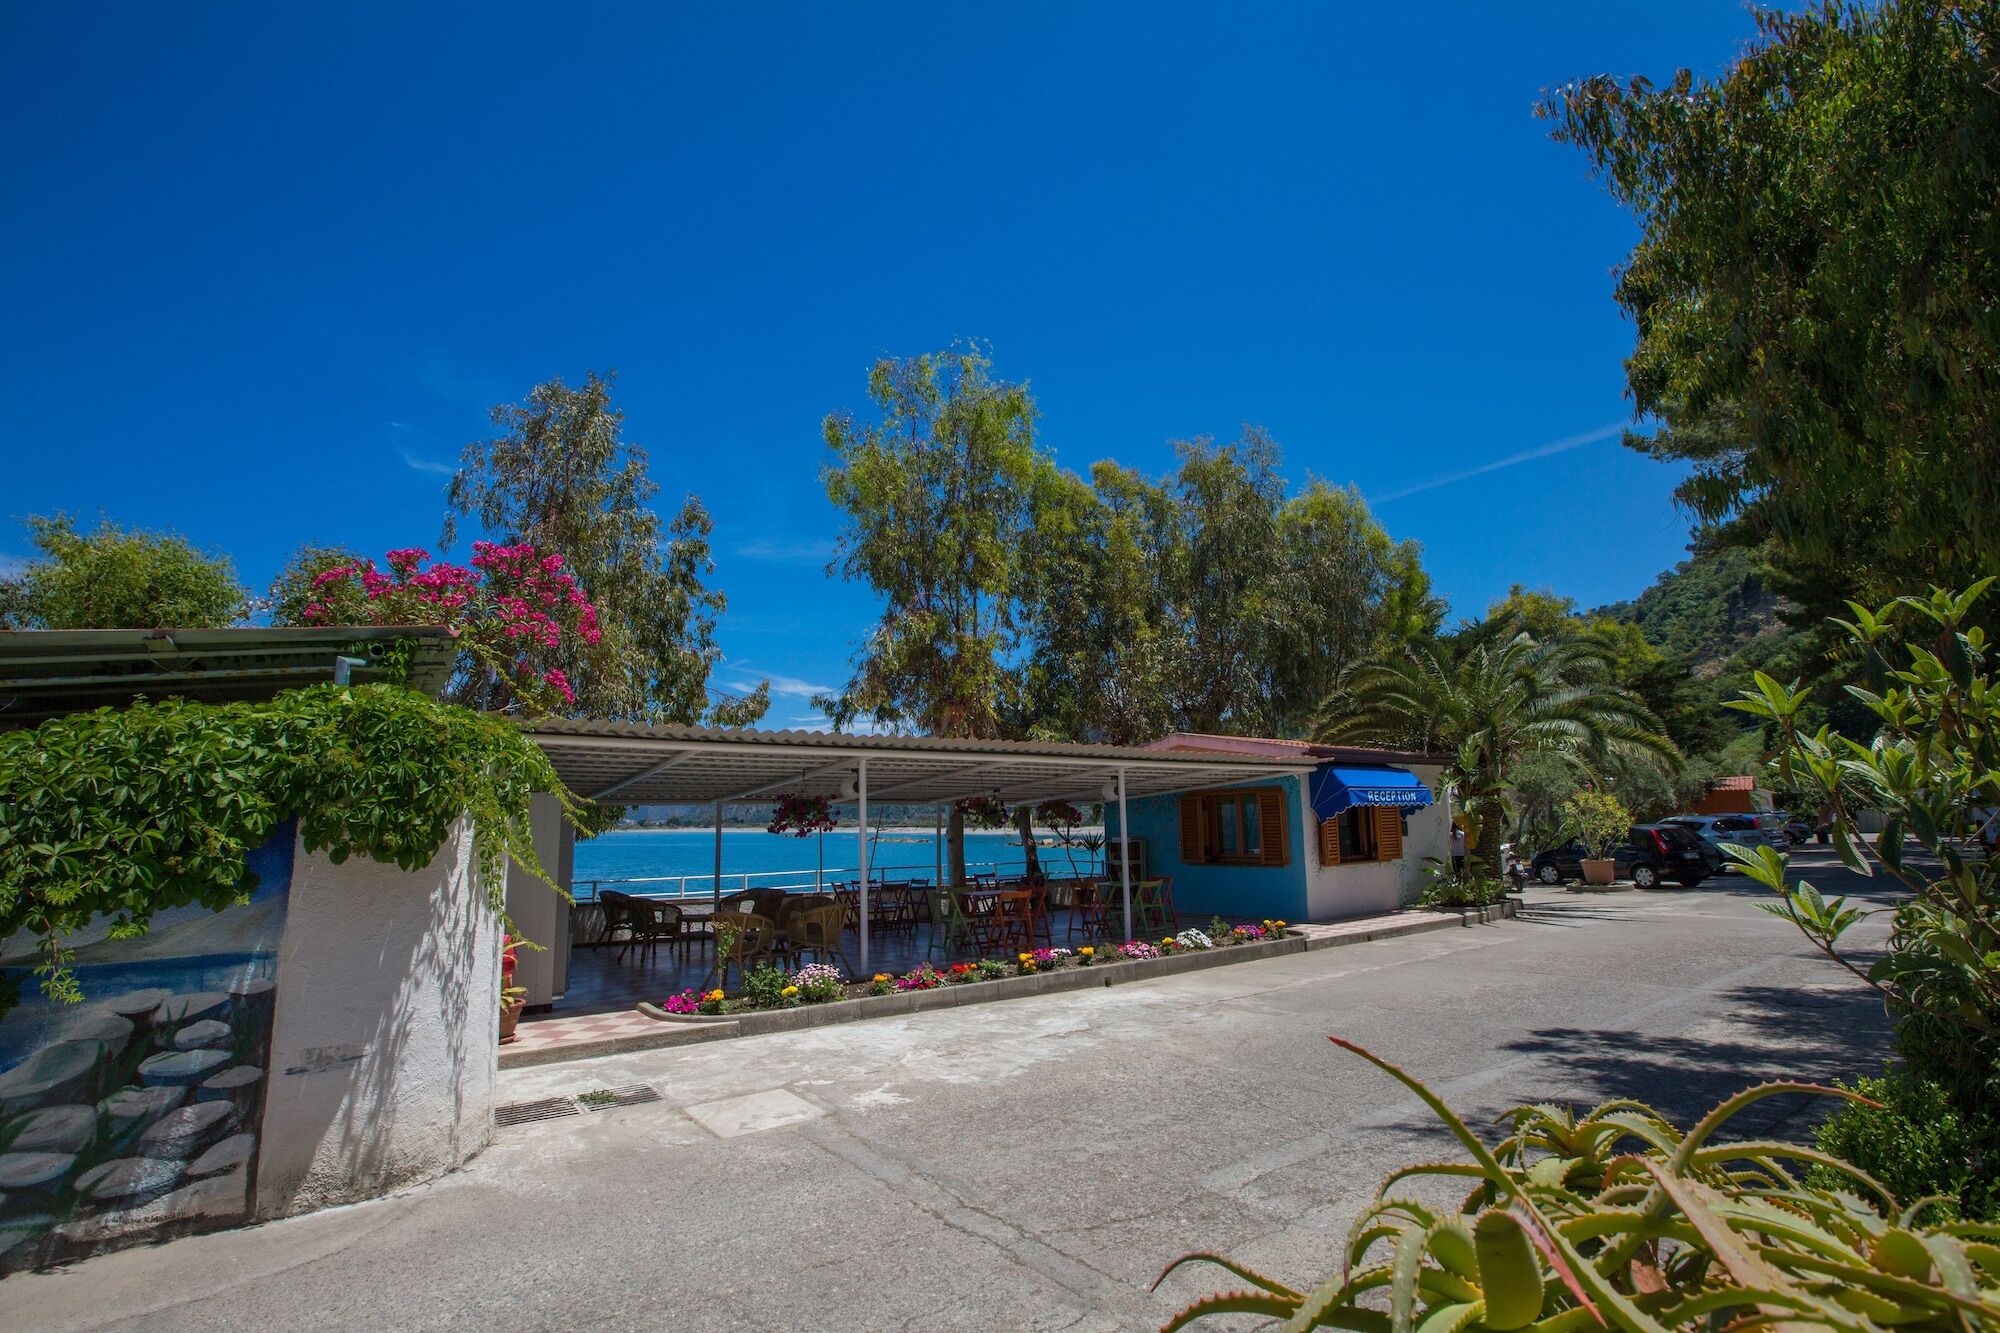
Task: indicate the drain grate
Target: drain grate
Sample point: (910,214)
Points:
(603,1099)
(525,1113)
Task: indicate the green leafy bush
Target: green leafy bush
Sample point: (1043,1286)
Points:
(1933,770)
(1619,1220)
(125,812)
(1915,1141)
(764,986)
(1448,888)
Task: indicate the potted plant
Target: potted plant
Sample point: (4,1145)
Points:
(512,998)
(1597,820)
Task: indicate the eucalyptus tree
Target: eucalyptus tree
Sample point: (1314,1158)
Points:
(1228,604)
(561,475)
(1490,701)
(1098,608)
(938,493)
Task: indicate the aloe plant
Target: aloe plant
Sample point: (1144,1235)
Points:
(1617,1219)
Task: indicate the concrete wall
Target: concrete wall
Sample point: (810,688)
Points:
(538,912)
(1333,892)
(387,1022)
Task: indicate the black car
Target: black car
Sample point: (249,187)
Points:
(1650,853)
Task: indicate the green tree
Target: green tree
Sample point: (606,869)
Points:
(938,495)
(1226,599)
(1491,702)
(292,591)
(1816,285)
(562,476)
(1100,557)
(1341,586)
(118,578)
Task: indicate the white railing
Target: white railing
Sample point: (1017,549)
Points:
(672,887)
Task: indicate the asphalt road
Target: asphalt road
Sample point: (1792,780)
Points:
(1029,1164)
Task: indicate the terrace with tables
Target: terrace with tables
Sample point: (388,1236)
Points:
(629,947)
(615,947)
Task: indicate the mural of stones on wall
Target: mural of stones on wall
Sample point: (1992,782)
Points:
(136,1113)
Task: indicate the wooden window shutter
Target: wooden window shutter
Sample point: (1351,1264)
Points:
(1192,851)
(1329,841)
(1277,847)
(1388,834)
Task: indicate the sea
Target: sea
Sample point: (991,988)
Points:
(773,859)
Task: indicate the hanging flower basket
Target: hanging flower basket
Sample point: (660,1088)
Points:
(983,811)
(801,816)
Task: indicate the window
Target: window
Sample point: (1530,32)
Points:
(1357,834)
(1361,833)
(1237,827)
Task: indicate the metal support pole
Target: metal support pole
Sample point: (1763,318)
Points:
(937,843)
(1125,853)
(861,790)
(718,855)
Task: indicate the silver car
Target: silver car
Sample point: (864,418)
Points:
(1744,830)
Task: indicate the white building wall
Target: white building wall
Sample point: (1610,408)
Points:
(1335,892)
(387,1021)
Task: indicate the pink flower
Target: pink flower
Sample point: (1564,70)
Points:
(561,682)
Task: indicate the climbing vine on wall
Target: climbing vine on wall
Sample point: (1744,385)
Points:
(127,812)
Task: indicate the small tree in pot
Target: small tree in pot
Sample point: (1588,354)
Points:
(1597,820)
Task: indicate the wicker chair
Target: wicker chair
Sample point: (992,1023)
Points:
(751,939)
(816,931)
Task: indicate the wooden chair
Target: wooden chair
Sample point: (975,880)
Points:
(950,930)
(1085,911)
(1014,909)
(982,922)
(750,939)
(816,930)
(1149,910)
(1038,913)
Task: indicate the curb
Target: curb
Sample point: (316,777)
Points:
(685,1031)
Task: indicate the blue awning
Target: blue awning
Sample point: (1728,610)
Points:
(1335,789)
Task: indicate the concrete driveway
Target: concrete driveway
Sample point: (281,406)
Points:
(1030,1164)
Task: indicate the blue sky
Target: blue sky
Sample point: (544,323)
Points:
(264,267)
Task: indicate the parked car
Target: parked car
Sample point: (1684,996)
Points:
(1743,830)
(1650,853)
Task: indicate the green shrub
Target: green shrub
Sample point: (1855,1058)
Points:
(764,986)
(1448,888)
(1916,1143)
(1932,769)
(122,813)
(1617,1219)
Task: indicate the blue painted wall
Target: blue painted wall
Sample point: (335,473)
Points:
(1248,891)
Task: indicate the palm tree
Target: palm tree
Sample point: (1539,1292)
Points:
(1489,697)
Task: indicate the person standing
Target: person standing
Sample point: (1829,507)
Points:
(1457,850)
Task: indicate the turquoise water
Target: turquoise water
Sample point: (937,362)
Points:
(773,858)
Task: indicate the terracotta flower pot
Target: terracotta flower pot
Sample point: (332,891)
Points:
(510,1018)
(1599,872)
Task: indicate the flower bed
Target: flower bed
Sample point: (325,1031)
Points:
(767,988)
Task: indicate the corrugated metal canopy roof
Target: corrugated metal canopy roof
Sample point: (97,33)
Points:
(632,764)
(50,673)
